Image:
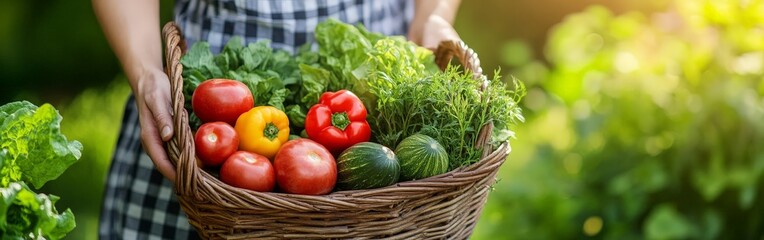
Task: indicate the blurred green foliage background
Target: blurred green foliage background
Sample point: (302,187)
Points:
(644,118)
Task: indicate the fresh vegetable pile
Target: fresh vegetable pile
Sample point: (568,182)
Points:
(326,120)
(32,152)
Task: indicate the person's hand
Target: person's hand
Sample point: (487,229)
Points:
(152,95)
(430,32)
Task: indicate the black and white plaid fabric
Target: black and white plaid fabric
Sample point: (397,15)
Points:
(287,23)
(139,203)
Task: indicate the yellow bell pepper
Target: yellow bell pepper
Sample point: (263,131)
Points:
(262,130)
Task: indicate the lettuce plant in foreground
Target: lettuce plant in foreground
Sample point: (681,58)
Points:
(32,152)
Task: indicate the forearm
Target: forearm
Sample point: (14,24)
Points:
(425,9)
(132,30)
(433,22)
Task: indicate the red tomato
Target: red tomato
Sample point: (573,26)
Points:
(249,171)
(305,167)
(214,142)
(221,100)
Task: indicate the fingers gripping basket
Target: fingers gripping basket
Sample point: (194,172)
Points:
(443,206)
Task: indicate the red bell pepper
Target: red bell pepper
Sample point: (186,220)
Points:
(338,121)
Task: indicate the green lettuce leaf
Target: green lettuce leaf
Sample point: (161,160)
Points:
(278,97)
(229,58)
(200,58)
(31,140)
(343,48)
(255,55)
(296,115)
(314,83)
(27,215)
(9,171)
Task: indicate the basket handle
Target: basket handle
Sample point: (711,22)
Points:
(443,54)
(180,148)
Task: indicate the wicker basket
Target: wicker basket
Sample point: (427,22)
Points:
(443,206)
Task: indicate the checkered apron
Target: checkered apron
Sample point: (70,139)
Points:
(139,203)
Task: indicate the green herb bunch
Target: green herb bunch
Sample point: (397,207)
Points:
(447,106)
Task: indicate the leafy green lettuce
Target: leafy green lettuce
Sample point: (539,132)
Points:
(343,50)
(27,215)
(32,150)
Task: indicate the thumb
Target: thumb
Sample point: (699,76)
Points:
(163,119)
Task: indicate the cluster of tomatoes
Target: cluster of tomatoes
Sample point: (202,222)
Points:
(250,144)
